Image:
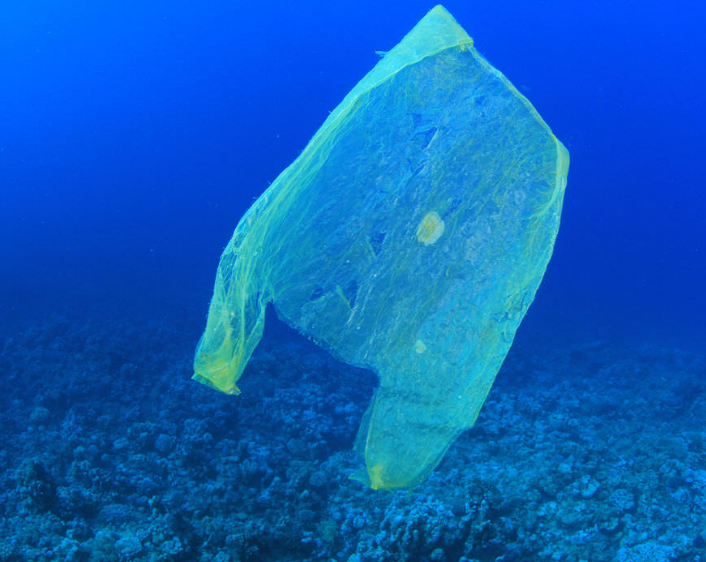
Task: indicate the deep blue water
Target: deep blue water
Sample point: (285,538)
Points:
(134,135)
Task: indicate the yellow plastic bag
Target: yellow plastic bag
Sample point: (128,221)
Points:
(409,237)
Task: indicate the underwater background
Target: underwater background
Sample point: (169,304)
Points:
(134,135)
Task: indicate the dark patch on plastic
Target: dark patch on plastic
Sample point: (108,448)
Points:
(453,205)
(424,138)
(350,291)
(376,241)
(316,293)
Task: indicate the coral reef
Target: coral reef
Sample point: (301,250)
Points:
(109,453)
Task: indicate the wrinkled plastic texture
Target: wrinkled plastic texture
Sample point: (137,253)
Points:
(409,237)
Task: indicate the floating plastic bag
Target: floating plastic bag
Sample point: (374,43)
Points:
(409,237)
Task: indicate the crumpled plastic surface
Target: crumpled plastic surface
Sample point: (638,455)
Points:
(409,237)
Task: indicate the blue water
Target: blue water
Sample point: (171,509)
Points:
(133,136)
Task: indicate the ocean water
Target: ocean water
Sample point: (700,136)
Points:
(133,136)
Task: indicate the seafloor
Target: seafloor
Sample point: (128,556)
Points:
(109,452)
